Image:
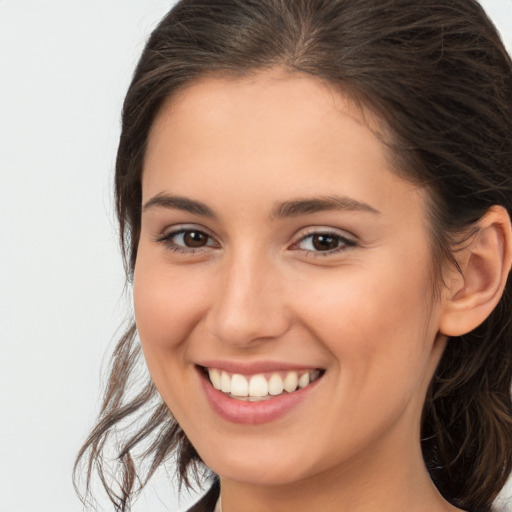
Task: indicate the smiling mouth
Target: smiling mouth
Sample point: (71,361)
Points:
(261,386)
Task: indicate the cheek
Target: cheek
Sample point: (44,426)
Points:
(376,326)
(375,322)
(167,307)
(167,310)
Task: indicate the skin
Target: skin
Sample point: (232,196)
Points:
(258,290)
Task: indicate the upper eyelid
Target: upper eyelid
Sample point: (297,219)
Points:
(180,228)
(316,230)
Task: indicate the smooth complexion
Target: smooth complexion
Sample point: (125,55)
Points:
(275,235)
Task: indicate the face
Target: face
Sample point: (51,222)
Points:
(282,261)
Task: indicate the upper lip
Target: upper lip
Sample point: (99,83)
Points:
(255,367)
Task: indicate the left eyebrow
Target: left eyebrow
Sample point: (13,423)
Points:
(319,204)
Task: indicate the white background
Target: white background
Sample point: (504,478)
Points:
(64,68)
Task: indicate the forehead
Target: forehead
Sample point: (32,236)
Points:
(280,96)
(287,89)
(271,133)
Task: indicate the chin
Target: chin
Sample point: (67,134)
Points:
(260,463)
(265,474)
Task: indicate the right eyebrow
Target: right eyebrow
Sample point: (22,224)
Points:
(179,203)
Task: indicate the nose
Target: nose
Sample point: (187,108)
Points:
(249,306)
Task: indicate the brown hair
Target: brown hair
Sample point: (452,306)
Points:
(437,73)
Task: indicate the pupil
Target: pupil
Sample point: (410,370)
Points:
(324,242)
(195,239)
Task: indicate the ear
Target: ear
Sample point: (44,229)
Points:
(486,261)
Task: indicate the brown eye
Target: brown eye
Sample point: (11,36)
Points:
(195,239)
(187,240)
(325,242)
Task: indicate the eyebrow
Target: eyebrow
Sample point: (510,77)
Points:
(179,203)
(320,204)
(293,208)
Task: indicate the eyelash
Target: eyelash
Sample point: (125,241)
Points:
(344,243)
(167,240)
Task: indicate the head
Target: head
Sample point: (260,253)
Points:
(432,84)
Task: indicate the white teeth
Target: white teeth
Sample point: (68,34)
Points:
(225,383)
(275,384)
(258,386)
(215,378)
(291,381)
(304,380)
(239,385)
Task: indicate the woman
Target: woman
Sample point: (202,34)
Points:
(314,199)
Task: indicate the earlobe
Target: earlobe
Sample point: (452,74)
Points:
(485,264)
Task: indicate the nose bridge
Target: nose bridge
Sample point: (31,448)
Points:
(249,303)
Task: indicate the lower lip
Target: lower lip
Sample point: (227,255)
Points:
(253,413)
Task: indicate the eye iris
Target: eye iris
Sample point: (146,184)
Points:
(195,239)
(324,242)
